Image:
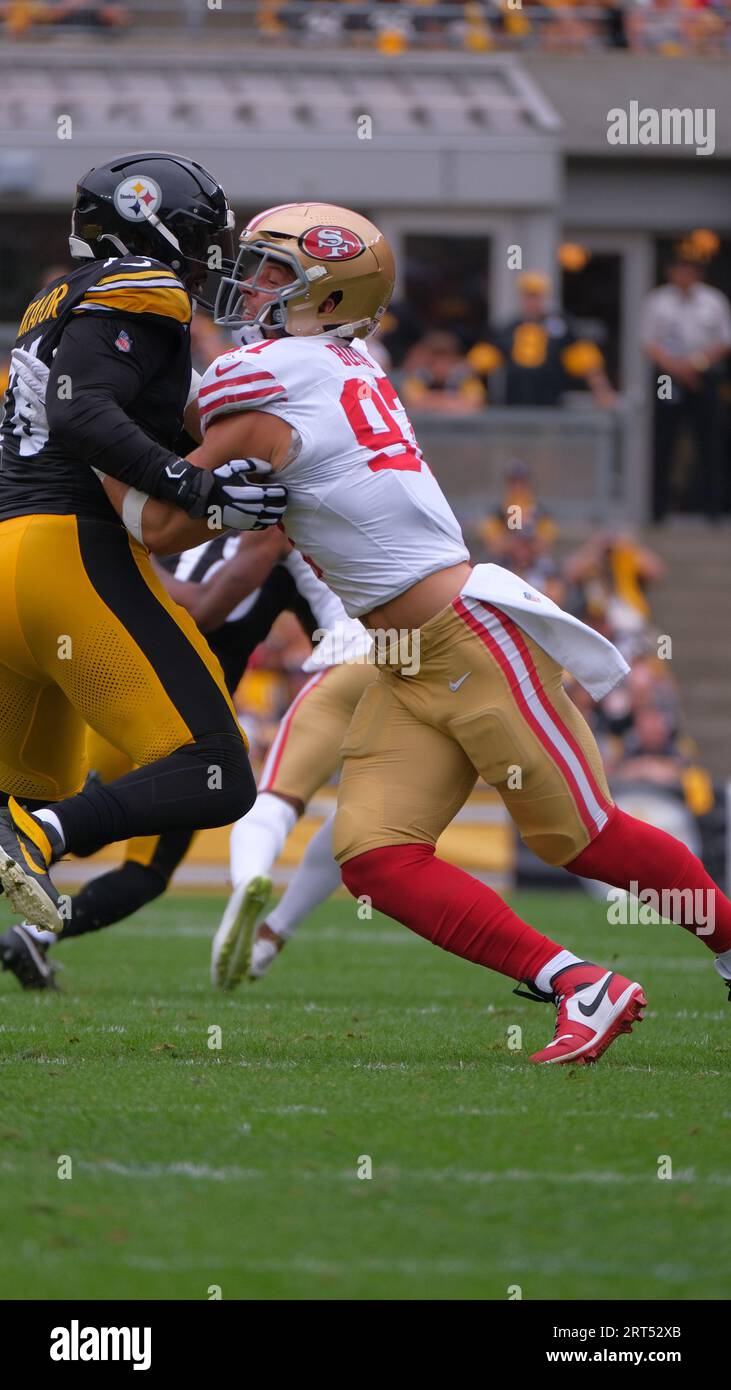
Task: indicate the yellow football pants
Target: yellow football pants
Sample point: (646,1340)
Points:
(89,636)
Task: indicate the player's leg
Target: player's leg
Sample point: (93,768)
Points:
(642,859)
(149,864)
(106,899)
(104,760)
(148,867)
(317,876)
(403,781)
(305,754)
(41,734)
(561,802)
(136,667)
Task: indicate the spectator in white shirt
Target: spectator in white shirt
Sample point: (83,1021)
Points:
(686,334)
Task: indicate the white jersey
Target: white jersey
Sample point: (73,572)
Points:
(364,508)
(338,638)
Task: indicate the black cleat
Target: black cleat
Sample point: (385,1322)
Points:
(26,958)
(722,964)
(25,857)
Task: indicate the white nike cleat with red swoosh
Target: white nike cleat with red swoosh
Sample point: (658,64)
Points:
(593,1007)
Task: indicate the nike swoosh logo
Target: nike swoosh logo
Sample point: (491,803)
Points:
(589,1009)
(221,371)
(454,685)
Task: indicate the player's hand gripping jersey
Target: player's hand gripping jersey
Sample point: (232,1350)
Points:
(363,505)
(115,335)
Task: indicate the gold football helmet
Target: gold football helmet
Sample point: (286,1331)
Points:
(332,254)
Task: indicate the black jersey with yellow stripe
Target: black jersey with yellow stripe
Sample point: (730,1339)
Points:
(113,332)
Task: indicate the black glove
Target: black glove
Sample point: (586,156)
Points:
(224,495)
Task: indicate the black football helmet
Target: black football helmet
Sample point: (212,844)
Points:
(158,205)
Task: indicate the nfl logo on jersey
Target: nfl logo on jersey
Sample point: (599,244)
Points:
(123,342)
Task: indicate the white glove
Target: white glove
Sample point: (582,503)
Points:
(28,380)
(245,505)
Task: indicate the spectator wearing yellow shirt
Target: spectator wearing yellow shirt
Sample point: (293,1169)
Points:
(437,376)
(541,352)
(519,510)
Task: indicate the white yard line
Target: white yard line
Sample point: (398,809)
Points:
(536,1178)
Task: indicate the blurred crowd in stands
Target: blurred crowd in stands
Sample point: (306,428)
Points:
(20,16)
(669,27)
(607,582)
(532,358)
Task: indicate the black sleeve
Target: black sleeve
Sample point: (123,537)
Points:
(88,412)
(234,641)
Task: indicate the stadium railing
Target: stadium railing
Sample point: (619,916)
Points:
(577,456)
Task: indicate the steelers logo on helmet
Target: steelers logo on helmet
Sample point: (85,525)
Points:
(137,196)
(331,243)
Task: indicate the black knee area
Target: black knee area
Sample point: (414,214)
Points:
(205,783)
(228,776)
(110,897)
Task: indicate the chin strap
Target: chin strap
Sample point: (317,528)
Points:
(349,330)
(83,250)
(164,231)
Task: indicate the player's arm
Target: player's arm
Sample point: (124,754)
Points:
(93,381)
(163,527)
(191,418)
(246,434)
(210,603)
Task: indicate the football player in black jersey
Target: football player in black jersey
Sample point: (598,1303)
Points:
(89,635)
(219,579)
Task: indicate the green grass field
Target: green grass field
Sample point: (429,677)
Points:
(237,1167)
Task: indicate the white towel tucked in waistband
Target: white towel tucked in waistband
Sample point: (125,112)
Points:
(595,662)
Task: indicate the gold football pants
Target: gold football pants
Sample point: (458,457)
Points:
(89,636)
(306,750)
(486,699)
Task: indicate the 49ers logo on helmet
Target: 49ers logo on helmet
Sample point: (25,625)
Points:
(331,244)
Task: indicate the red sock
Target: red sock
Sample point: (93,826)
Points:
(629,851)
(448,907)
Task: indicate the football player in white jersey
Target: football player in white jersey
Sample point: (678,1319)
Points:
(486,693)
